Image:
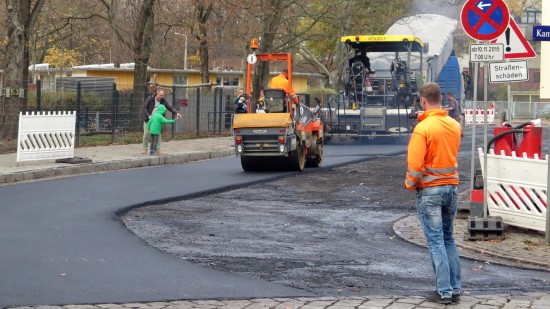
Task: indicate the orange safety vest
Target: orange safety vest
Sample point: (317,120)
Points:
(432,151)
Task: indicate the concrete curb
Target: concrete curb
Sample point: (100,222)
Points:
(108,166)
(512,251)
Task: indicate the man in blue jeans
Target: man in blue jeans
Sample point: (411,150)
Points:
(433,173)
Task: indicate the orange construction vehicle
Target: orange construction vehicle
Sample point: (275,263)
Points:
(285,134)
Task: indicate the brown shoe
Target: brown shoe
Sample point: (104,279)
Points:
(145,151)
(158,153)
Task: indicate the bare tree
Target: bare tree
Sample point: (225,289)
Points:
(71,26)
(272,11)
(194,19)
(22,14)
(139,39)
(203,10)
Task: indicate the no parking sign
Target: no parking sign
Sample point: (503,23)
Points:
(485,20)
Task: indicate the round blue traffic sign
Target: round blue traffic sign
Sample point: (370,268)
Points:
(485,20)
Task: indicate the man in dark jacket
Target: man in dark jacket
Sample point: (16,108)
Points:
(361,56)
(452,107)
(149,108)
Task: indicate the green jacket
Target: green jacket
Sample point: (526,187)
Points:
(157,120)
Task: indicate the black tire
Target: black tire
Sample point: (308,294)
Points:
(317,160)
(297,158)
(249,163)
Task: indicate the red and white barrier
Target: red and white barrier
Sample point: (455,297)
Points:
(479,116)
(516,188)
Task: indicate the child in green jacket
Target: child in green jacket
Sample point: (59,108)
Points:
(155,127)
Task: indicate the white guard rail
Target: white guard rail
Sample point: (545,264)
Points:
(516,189)
(479,116)
(46,136)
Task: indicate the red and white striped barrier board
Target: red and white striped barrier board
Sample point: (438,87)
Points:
(479,116)
(516,188)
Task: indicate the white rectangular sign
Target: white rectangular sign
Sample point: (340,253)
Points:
(513,71)
(486,52)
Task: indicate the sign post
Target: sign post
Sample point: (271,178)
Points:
(484,20)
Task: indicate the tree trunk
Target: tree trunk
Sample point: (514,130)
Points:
(13,78)
(271,22)
(21,17)
(204,56)
(203,12)
(340,52)
(142,46)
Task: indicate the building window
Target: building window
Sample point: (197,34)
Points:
(181,93)
(180,79)
(227,81)
(531,16)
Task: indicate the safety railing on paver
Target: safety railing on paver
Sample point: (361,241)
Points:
(516,189)
(479,116)
(46,136)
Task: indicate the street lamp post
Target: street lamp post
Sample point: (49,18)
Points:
(185,52)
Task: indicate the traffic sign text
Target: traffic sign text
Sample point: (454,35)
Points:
(541,33)
(486,52)
(508,71)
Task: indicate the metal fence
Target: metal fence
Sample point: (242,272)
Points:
(103,109)
(505,111)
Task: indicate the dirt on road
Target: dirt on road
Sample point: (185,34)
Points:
(327,231)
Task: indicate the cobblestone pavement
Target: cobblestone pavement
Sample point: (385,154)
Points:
(514,301)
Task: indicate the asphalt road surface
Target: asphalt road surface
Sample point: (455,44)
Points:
(328,232)
(62,241)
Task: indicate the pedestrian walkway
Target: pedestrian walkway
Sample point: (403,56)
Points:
(115,157)
(519,248)
(513,301)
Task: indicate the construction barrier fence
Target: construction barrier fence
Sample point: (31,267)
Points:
(47,135)
(479,116)
(516,189)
